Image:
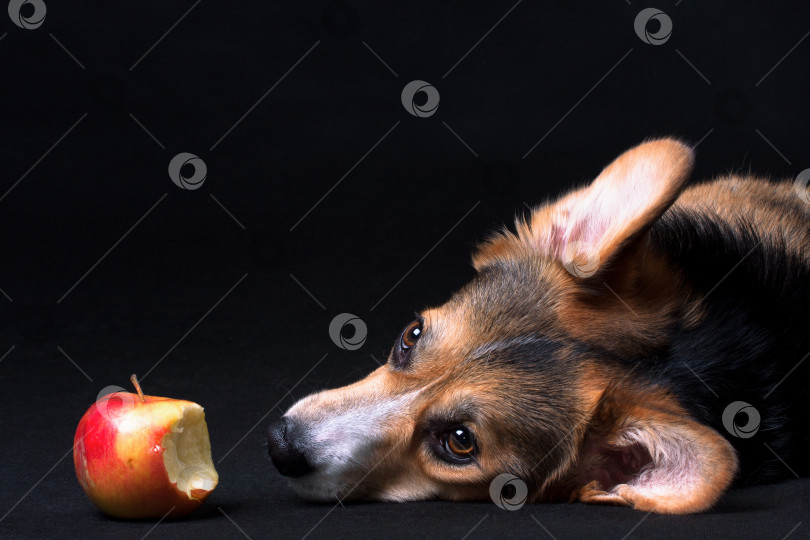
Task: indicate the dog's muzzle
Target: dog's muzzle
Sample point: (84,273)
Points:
(288,459)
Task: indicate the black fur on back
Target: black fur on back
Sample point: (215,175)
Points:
(752,344)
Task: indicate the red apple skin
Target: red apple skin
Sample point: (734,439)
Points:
(121,469)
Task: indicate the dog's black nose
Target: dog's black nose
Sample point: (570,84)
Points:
(286,457)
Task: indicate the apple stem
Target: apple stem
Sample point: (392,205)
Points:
(137,386)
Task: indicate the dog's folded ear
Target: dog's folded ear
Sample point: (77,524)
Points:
(643,450)
(588,227)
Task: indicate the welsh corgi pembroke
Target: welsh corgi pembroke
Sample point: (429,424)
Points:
(636,342)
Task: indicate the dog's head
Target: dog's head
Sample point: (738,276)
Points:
(520,372)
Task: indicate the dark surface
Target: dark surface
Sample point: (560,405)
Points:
(385,237)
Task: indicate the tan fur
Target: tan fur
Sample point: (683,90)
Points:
(774,206)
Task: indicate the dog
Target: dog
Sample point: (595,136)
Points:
(637,342)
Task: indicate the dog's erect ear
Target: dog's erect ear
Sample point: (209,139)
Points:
(651,456)
(587,227)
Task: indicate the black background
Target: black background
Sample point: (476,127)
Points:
(216,297)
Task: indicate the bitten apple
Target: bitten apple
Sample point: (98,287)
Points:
(140,456)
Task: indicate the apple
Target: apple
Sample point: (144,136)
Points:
(140,456)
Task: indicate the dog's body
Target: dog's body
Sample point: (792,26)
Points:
(602,354)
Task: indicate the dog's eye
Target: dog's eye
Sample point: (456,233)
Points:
(411,334)
(407,340)
(459,443)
